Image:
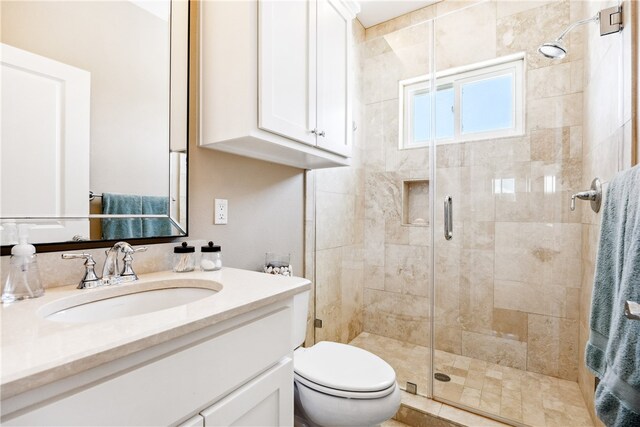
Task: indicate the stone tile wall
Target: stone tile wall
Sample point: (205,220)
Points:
(396,256)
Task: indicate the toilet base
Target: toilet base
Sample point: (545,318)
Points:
(331,410)
(300,418)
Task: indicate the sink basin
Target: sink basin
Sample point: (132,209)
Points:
(140,301)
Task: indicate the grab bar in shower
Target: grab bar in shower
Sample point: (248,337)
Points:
(448,218)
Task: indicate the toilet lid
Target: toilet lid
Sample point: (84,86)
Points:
(343,367)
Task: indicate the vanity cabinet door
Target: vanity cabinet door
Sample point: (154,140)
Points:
(197,421)
(264,401)
(287,69)
(334,105)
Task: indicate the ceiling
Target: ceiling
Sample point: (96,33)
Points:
(373,12)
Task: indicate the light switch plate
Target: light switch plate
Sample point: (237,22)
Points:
(220,212)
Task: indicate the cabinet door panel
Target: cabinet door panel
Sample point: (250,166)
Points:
(287,69)
(334,109)
(265,401)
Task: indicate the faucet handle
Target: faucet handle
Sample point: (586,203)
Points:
(127,269)
(90,279)
(594,195)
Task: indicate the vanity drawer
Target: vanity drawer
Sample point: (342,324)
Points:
(264,401)
(169,389)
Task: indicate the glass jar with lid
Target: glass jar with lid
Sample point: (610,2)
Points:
(211,257)
(184,258)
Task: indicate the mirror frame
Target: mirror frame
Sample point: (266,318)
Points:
(92,244)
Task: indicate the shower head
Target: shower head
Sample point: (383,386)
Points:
(556,49)
(610,20)
(553,50)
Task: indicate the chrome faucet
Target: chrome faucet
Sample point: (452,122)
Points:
(111,270)
(111,274)
(89,280)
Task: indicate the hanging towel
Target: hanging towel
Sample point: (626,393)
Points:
(120,204)
(155,227)
(613,350)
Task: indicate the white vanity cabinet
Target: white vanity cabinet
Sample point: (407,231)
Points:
(236,372)
(275,80)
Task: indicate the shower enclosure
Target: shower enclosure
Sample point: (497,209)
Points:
(448,247)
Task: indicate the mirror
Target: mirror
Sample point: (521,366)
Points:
(94,119)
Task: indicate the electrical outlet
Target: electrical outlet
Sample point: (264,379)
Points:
(220,213)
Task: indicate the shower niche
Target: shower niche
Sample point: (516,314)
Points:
(415,202)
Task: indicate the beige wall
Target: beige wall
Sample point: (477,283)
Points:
(121,46)
(607,146)
(266,207)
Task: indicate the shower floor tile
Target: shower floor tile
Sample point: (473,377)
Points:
(524,397)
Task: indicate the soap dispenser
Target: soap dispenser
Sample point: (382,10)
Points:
(23,280)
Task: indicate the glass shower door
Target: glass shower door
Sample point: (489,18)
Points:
(507,279)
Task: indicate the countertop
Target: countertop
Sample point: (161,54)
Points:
(36,351)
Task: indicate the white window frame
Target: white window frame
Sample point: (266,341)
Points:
(456,78)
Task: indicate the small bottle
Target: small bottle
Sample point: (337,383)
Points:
(23,280)
(184,258)
(211,258)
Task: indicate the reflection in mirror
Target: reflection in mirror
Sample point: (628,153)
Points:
(94,102)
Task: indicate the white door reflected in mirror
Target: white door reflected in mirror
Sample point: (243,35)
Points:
(45,143)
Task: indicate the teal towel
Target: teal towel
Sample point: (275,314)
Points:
(613,350)
(156,227)
(120,204)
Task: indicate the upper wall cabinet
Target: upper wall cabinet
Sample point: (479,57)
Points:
(275,80)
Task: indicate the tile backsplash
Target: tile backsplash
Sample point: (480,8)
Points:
(54,271)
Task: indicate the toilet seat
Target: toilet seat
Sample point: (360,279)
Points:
(344,393)
(343,371)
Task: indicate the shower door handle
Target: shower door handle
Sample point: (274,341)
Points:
(448,218)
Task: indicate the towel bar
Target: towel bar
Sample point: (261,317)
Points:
(93,195)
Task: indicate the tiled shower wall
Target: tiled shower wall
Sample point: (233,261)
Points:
(608,120)
(396,256)
(508,284)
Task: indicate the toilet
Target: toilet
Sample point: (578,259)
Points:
(341,385)
(338,384)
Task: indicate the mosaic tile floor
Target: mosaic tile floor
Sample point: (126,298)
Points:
(524,397)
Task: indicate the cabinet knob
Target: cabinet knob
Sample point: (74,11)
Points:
(314,131)
(321,134)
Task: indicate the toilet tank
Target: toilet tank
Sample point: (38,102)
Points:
(300,311)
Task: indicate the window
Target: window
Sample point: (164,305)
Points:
(479,101)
